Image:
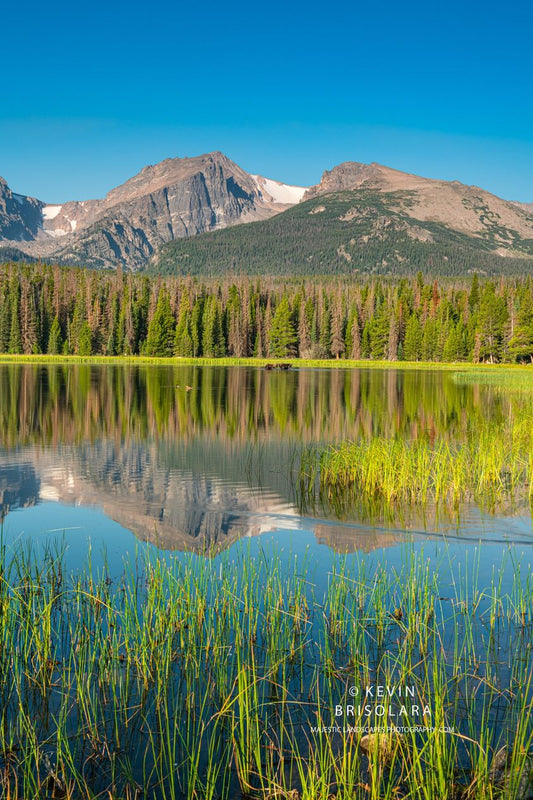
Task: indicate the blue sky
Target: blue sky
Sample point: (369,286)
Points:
(91,93)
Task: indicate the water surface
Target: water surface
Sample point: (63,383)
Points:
(198,458)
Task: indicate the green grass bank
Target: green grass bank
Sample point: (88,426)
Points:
(526,369)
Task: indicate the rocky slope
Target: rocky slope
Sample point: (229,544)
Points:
(20,216)
(465,209)
(173,199)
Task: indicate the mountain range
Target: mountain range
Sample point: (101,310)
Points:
(186,215)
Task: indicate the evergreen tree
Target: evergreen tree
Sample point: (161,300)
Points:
(365,341)
(15,340)
(378,333)
(260,346)
(282,336)
(354,345)
(473,297)
(78,318)
(394,338)
(115,331)
(491,322)
(55,343)
(337,346)
(234,323)
(305,323)
(452,346)
(196,326)
(129,347)
(324,339)
(85,340)
(412,345)
(213,343)
(183,345)
(160,338)
(28,318)
(520,346)
(5,324)
(429,340)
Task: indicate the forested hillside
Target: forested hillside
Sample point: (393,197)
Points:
(366,232)
(74,311)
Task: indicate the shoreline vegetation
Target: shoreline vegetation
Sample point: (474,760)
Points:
(296,363)
(388,479)
(236,676)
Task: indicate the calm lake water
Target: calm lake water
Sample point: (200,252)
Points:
(200,458)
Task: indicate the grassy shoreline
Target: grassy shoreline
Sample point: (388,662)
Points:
(6,358)
(383,478)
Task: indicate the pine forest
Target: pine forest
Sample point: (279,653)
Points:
(54,310)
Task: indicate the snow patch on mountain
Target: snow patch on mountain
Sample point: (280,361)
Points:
(51,212)
(58,232)
(279,192)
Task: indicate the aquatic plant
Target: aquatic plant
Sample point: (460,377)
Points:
(191,677)
(380,477)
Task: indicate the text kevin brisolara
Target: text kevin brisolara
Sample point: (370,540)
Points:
(381,701)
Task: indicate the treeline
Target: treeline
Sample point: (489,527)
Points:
(55,310)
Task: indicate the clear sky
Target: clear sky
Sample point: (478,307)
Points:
(91,92)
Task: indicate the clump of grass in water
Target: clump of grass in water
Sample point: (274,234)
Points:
(203,679)
(381,477)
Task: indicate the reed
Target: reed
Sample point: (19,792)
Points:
(387,478)
(200,678)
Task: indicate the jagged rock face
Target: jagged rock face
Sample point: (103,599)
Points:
(20,216)
(169,201)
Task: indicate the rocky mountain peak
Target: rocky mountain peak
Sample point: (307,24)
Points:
(20,216)
(171,171)
(351,175)
(175,198)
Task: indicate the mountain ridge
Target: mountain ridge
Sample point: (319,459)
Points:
(149,216)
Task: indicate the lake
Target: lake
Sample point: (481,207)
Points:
(196,458)
(162,563)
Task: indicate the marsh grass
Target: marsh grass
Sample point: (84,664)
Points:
(216,678)
(389,478)
(491,466)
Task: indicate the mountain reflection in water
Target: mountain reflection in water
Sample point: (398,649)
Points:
(203,468)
